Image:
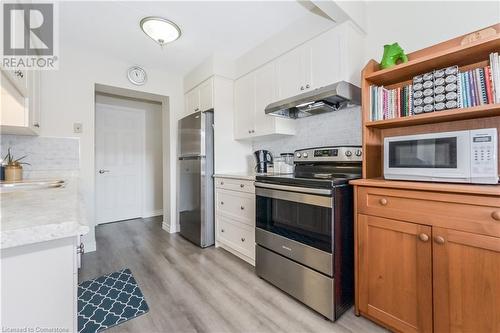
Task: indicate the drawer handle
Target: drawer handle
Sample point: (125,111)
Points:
(383,201)
(242,208)
(242,239)
(221,230)
(242,185)
(439,240)
(423,237)
(496,215)
(222,183)
(222,202)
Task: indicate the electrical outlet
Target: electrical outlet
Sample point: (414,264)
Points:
(77,127)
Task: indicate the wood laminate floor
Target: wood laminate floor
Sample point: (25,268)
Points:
(189,289)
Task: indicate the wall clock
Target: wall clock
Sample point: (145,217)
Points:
(137,75)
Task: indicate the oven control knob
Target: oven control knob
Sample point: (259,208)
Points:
(358,153)
(299,155)
(305,155)
(348,153)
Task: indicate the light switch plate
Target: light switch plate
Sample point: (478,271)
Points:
(77,127)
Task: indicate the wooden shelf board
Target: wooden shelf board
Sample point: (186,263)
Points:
(458,55)
(488,110)
(493,190)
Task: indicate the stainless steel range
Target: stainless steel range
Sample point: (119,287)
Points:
(304,228)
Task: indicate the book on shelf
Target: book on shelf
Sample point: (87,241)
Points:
(475,87)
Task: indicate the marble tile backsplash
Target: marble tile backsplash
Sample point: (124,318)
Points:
(328,129)
(43,153)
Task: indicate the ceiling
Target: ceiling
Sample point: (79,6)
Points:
(226,28)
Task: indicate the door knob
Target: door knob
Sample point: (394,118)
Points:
(308,86)
(423,237)
(243,239)
(439,239)
(242,208)
(222,202)
(302,88)
(221,230)
(103,171)
(242,185)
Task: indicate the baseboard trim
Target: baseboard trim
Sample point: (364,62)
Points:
(166,226)
(153,213)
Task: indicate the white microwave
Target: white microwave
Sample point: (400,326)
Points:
(461,156)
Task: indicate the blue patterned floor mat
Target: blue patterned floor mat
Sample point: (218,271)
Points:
(108,301)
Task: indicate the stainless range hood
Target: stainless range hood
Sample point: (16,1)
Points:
(326,99)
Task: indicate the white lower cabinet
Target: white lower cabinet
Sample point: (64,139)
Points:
(39,284)
(235,217)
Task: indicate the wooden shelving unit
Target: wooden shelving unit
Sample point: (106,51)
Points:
(442,55)
(482,111)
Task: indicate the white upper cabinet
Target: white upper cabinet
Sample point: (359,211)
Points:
(200,98)
(335,55)
(291,73)
(192,100)
(207,95)
(244,100)
(20,102)
(253,92)
(266,92)
(325,63)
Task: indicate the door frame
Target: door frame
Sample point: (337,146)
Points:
(142,144)
(169,179)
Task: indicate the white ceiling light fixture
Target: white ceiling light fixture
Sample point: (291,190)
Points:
(160,30)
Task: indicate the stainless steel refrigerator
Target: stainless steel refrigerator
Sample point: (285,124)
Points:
(196,164)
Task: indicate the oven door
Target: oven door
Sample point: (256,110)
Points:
(428,157)
(295,224)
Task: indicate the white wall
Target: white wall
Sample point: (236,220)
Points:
(152,177)
(419,24)
(68,97)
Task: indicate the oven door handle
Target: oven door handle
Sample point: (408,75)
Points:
(302,198)
(295,188)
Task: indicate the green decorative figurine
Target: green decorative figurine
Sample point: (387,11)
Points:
(392,54)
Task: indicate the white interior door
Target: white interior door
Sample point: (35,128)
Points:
(120,134)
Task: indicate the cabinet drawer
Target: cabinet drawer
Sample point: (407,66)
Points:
(479,214)
(239,206)
(235,184)
(238,237)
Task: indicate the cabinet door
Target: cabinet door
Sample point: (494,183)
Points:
(244,99)
(395,273)
(206,95)
(266,92)
(466,282)
(325,59)
(14,105)
(291,73)
(34,101)
(193,101)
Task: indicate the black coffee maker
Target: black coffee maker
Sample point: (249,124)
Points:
(263,158)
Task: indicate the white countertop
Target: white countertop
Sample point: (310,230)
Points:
(237,175)
(38,215)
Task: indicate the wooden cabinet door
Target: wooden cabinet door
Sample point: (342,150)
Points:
(244,102)
(206,95)
(466,282)
(395,273)
(291,73)
(266,92)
